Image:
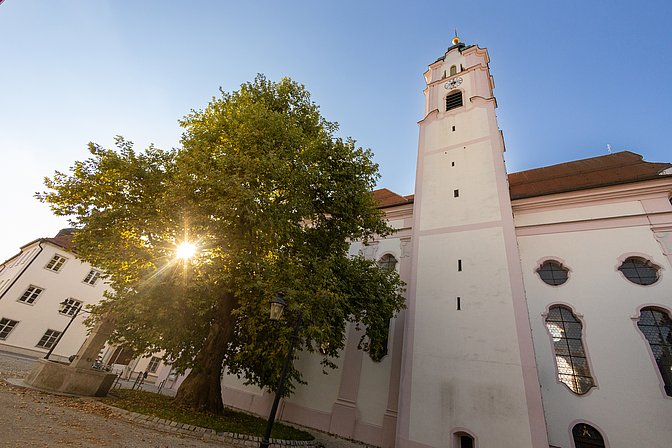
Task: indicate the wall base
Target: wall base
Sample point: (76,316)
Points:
(60,378)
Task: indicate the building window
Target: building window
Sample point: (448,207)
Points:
(454,100)
(585,436)
(56,263)
(377,347)
(6,327)
(71,307)
(153,364)
(92,277)
(453,70)
(31,295)
(639,270)
(656,326)
(553,273)
(572,364)
(49,339)
(387,263)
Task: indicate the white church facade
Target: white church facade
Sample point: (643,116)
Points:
(539,303)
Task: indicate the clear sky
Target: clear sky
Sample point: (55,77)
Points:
(571,77)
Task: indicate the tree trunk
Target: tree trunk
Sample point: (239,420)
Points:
(202,388)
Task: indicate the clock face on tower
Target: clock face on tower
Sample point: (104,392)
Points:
(453,83)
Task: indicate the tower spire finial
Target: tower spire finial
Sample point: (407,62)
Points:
(456,39)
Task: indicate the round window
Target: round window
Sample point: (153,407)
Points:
(639,270)
(553,273)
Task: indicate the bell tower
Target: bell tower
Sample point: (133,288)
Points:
(469,375)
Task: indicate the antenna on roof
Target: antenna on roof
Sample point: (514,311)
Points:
(608,148)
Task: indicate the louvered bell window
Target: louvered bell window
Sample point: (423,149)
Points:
(454,100)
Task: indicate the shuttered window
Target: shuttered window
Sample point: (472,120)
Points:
(454,100)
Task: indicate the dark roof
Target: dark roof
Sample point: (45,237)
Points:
(63,239)
(612,169)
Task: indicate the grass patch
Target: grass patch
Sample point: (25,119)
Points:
(161,406)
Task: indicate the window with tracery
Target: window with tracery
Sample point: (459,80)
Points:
(378,347)
(570,356)
(656,326)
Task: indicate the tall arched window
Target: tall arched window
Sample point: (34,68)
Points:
(570,357)
(454,100)
(656,326)
(378,348)
(585,436)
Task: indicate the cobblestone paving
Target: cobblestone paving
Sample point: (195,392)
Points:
(30,418)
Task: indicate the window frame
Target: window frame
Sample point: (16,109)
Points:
(648,262)
(4,325)
(154,364)
(55,334)
(56,263)
(28,295)
(584,345)
(72,307)
(552,260)
(92,277)
(665,389)
(575,423)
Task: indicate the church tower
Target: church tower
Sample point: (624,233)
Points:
(469,377)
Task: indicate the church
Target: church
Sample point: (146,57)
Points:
(539,303)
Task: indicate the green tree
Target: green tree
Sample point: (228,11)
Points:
(272,199)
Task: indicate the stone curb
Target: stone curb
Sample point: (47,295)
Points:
(206,433)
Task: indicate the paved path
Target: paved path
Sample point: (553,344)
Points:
(29,418)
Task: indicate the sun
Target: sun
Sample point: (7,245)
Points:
(185,250)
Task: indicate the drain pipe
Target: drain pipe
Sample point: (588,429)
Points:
(24,269)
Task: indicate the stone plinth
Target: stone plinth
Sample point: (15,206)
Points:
(61,378)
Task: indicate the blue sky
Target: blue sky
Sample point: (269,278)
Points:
(571,77)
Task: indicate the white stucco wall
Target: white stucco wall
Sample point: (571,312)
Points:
(35,319)
(627,405)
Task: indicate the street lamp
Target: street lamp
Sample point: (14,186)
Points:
(61,308)
(277,307)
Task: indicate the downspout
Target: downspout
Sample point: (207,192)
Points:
(23,270)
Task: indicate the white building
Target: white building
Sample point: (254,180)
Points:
(539,302)
(33,284)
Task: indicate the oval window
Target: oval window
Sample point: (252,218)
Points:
(639,271)
(553,273)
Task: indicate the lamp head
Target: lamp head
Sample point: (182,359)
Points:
(277,306)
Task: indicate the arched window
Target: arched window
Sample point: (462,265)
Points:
(553,273)
(639,271)
(585,436)
(454,100)
(463,440)
(377,347)
(453,70)
(656,326)
(570,357)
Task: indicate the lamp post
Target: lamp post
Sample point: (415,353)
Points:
(61,308)
(277,307)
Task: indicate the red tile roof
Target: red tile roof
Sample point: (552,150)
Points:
(612,169)
(387,198)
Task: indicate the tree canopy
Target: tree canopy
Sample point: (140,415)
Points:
(272,199)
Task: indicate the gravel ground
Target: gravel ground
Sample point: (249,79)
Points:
(29,418)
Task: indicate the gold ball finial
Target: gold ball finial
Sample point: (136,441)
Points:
(456,40)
